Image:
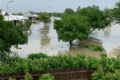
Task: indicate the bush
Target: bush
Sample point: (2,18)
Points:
(96,48)
(37,56)
(46,77)
(4,56)
(28,76)
(101,75)
(58,63)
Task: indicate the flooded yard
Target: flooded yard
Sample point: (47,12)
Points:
(45,39)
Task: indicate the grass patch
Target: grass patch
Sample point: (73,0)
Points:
(94,48)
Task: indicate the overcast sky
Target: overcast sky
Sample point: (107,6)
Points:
(53,5)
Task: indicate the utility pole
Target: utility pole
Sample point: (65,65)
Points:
(8,7)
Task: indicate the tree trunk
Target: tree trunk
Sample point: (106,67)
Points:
(70,43)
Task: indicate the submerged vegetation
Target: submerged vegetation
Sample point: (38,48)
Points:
(94,47)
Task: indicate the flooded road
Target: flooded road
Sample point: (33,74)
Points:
(44,39)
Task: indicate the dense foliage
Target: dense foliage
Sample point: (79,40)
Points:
(80,24)
(100,74)
(109,14)
(59,62)
(44,17)
(72,27)
(97,18)
(28,23)
(10,35)
(69,11)
(37,56)
(117,12)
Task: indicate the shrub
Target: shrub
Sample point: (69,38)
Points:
(113,76)
(96,48)
(4,56)
(47,77)
(81,61)
(28,76)
(59,62)
(93,62)
(37,56)
(99,74)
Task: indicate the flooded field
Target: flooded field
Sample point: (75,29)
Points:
(45,39)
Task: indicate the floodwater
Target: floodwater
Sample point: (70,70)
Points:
(45,39)
(110,38)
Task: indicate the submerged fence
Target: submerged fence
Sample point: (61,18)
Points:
(68,74)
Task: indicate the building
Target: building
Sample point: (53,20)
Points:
(31,17)
(15,18)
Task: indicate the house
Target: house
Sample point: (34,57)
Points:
(31,17)
(15,18)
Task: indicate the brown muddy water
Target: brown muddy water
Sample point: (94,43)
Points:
(45,39)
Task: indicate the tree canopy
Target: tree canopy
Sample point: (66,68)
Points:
(72,27)
(69,11)
(109,14)
(81,23)
(97,17)
(44,17)
(117,12)
(10,35)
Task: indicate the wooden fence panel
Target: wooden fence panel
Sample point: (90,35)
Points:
(68,74)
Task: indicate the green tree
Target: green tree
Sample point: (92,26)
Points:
(109,14)
(79,8)
(44,17)
(10,35)
(117,12)
(72,27)
(97,17)
(28,23)
(0,11)
(69,11)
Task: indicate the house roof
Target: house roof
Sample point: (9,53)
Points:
(11,17)
(30,15)
(14,17)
